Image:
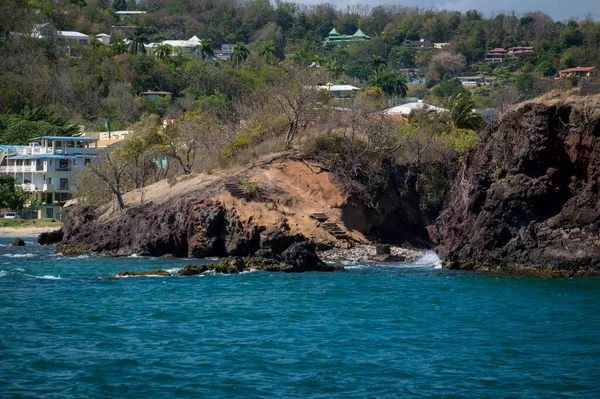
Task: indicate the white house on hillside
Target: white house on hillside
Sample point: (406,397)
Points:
(45,168)
(187,47)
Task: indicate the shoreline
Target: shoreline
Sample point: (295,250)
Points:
(25,231)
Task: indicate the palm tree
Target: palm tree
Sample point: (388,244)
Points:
(240,54)
(300,57)
(136,45)
(119,46)
(205,49)
(268,51)
(163,51)
(390,83)
(461,113)
(377,62)
(335,68)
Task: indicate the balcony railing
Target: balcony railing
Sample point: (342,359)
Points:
(28,187)
(17,169)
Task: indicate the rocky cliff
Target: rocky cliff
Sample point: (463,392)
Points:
(203,216)
(527,199)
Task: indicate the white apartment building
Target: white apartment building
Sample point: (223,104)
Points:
(45,168)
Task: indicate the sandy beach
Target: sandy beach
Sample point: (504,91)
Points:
(25,231)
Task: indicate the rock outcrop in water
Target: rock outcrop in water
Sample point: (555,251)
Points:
(50,237)
(17,242)
(527,199)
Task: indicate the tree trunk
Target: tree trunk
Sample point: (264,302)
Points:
(119,199)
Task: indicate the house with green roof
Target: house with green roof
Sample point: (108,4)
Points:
(336,38)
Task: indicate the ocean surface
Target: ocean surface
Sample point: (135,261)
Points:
(374,331)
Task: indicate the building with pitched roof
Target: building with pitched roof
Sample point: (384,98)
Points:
(580,72)
(336,38)
(185,47)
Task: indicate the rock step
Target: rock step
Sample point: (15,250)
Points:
(335,230)
(321,217)
(236,190)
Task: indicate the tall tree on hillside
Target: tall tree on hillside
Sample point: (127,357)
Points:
(390,83)
(240,54)
(110,167)
(137,41)
(299,100)
(163,51)
(377,63)
(205,48)
(268,51)
(118,46)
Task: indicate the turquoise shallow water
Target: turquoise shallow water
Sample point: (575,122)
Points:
(370,332)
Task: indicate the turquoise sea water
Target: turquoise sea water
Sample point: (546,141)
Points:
(370,332)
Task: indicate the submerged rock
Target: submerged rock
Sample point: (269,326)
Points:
(72,249)
(158,272)
(192,270)
(17,242)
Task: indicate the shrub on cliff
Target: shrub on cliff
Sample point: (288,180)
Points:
(358,169)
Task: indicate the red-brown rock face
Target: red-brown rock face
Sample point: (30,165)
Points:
(527,199)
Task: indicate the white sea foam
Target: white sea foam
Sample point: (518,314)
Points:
(429,258)
(134,256)
(19,255)
(20,269)
(249,271)
(173,270)
(354,266)
(3,273)
(48,277)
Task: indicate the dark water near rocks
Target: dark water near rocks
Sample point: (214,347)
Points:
(373,331)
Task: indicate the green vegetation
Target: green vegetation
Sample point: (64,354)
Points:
(20,223)
(11,196)
(264,97)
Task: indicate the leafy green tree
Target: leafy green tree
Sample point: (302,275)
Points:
(403,56)
(163,51)
(377,63)
(268,51)
(137,41)
(526,85)
(118,46)
(11,195)
(546,68)
(240,54)
(390,83)
(448,88)
(462,115)
(206,49)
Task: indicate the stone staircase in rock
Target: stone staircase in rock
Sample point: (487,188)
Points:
(335,230)
(332,228)
(236,190)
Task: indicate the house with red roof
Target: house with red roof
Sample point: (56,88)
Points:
(580,72)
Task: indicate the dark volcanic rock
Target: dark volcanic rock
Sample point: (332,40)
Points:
(17,242)
(128,273)
(276,241)
(527,199)
(187,227)
(192,270)
(399,217)
(50,237)
(302,256)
